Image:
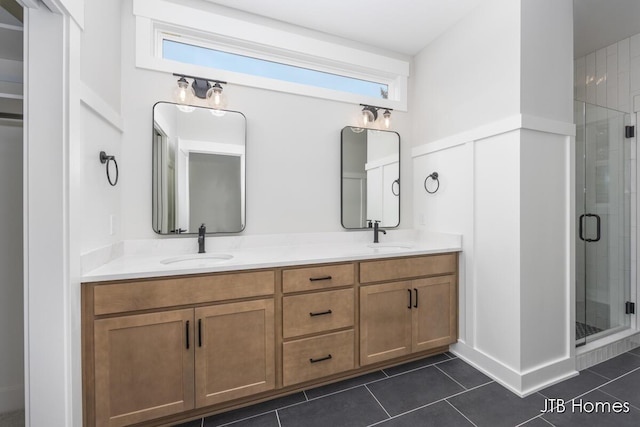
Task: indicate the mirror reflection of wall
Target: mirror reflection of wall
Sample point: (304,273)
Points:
(370,176)
(198,169)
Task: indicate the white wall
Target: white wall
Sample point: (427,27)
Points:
(469,76)
(11,313)
(100,61)
(293,152)
(100,46)
(499,129)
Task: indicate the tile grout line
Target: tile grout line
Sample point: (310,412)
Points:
(373,381)
(460,412)
(617,398)
(601,385)
(278,418)
(247,418)
(376,399)
(305,395)
(431,403)
(531,419)
(450,377)
(413,370)
(600,375)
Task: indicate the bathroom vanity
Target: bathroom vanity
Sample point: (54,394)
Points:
(166,346)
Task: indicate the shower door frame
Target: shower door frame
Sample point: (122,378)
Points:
(595,202)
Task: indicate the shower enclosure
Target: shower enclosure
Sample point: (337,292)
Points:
(603,227)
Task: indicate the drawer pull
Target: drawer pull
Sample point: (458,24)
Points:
(320,313)
(315,279)
(415,304)
(199,332)
(320,359)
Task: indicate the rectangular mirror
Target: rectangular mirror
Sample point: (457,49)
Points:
(198,169)
(370,177)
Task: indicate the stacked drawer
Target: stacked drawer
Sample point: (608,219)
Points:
(317,322)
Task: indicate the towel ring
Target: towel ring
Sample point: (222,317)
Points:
(433,176)
(397,181)
(104,158)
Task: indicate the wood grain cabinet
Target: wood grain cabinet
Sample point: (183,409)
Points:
(234,348)
(406,316)
(141,367)
(159,351)
(317,325)
(144,367)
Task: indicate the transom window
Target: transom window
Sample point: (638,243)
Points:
(178,38)
(212,58)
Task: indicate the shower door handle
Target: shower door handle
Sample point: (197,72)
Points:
(598,227)
(580,228)
(597,217)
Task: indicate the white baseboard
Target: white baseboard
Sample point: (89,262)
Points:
(520,383)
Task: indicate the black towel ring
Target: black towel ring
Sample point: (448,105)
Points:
(104,158)
(433,176)
(397,181)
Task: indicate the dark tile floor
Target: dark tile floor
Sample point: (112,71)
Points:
(444,391)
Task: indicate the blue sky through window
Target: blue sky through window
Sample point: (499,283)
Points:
(206,57)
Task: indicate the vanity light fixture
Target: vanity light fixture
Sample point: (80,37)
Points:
(201,88)
(370,115)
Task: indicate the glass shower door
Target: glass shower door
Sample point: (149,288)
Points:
(603,226)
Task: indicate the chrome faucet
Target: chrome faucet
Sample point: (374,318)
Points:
(201,233)
(376,230)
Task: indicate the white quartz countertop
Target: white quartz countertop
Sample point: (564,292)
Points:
(178,256)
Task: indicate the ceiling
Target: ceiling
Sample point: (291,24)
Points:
(410,25)
(407,26)
(403,26)
(600,23)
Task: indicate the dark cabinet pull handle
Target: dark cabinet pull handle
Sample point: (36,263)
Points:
(315,279)
(320,359)
(199,332)
(187,335)
(409,306)
(319,313)
(415,304)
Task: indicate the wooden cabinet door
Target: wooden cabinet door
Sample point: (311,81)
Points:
(434,313)
(385,321)
(235,350)
(144,367)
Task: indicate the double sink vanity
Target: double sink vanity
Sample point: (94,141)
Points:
(170,334)
(168,337)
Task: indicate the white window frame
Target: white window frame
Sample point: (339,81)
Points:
(157,20)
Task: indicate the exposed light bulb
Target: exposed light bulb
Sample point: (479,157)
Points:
(183,94)
(215,97)
(387,119)
(368,116)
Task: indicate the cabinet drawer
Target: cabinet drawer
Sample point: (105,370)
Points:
(405,268)
(317,312)
(311,358)
(167,292)
(321,277)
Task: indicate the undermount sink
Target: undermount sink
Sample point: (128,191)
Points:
(388,247)
(197,260)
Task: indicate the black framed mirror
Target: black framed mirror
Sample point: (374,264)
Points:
(370,177)
(198,169)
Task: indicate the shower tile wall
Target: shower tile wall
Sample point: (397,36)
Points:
(610,77)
